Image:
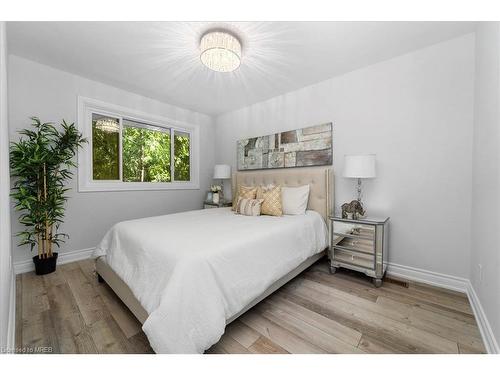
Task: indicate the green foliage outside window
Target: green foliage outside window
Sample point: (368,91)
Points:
(146,155)
(146,152)
(105,152)
(181,156)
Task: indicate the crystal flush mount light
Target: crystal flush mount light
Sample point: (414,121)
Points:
(220,51)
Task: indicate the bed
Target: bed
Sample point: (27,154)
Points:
(186,275)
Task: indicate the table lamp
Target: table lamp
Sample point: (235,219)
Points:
(222,172)
(359,166)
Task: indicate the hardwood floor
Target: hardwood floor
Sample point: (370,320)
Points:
(70,312)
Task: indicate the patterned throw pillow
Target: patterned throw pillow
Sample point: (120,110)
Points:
(264,188)
(272,200)
(249,207)
(248,192)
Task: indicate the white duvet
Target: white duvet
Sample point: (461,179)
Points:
(193,270)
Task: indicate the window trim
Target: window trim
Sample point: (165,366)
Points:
(87,106)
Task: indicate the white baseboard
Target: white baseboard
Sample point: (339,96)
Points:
(66,257)
(458,284)
(489,339)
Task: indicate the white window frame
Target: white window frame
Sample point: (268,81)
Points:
(86,183)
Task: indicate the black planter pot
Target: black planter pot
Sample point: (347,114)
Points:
(45,265)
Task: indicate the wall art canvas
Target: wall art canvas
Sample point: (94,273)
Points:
(295,148)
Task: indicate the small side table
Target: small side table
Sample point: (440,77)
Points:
(361,245)
(217,205)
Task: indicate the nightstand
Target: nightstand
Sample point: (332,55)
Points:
(217,205)
(361,245)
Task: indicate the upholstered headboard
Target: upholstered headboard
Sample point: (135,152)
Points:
(320,180)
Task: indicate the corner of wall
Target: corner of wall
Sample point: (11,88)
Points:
(484,287)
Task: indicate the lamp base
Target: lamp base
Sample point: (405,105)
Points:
(359,190)
(221,192)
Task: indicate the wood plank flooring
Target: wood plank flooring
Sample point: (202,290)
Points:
(316,312)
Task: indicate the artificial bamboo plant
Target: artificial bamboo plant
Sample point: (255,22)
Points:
(41,165)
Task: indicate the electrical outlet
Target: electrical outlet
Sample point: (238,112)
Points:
(480,272)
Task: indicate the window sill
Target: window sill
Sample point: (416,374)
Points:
(136,186)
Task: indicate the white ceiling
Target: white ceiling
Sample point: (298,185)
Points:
(160,59)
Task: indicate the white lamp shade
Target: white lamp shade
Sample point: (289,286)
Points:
(222,171)
(359,166)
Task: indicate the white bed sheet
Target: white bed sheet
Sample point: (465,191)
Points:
(193,270)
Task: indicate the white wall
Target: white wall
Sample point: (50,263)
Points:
(51,94)
(7,283)
(415,112)
(485,247)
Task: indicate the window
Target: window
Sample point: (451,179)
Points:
(128,150)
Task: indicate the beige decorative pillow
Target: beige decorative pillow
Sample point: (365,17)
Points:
(249,207)
(272,200)
(264,188)
(248,192)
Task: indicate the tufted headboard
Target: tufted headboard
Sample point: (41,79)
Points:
(320,180)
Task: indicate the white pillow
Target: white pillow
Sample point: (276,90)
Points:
(294,199)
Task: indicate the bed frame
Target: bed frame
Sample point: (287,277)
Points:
(320,180)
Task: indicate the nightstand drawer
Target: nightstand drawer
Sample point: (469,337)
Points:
(354,230)
(357,244)
(354,258)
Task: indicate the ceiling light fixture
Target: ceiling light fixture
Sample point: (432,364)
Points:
(220,51)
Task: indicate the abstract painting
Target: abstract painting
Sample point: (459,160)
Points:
(295,148)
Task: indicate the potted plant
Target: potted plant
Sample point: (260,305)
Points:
(41,165)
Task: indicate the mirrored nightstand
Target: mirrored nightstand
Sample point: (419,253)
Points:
(361,245)
(217,205)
